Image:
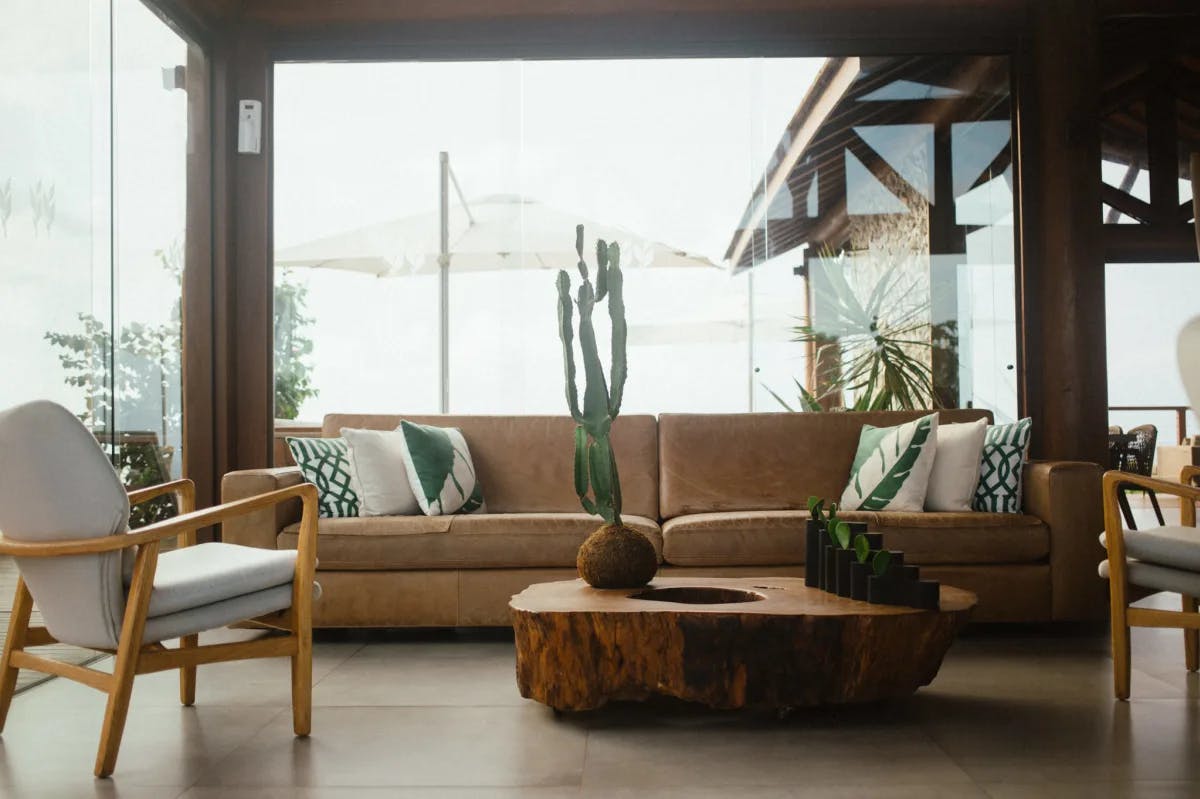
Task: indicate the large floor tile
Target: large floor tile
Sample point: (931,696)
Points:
(412,746)
(48,753)
(391,792)
(815,747)
(465,673)
(1092,790)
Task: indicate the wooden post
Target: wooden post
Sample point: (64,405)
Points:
(1061,281)
(252,356)
(947,246)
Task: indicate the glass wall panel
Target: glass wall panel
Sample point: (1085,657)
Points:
(92,189)
(727,182)
(892,189)
(55,234)
(1147,306)
(149,192)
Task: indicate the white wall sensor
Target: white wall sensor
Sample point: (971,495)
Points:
(249,126)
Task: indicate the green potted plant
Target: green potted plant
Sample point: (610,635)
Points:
(614,556)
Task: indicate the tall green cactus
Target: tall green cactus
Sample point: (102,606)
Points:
(596,480)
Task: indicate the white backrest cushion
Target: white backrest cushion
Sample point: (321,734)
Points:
(56,483)
(1188,352)
(955,474)
(378,474)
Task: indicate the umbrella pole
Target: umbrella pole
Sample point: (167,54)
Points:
(444,280)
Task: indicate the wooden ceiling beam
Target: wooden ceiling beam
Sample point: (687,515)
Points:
(1126,203)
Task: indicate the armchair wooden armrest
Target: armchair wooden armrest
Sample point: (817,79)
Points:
(184,523)
(185,488)
(1189,476)
(1114,479)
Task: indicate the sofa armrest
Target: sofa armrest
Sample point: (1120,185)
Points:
(260,528)
(1066,496)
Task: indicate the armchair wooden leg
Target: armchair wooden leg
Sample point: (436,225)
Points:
(1121,657)
(128,649)
(18,625)
(1191,638)
(1120,631)
(187,674)
(302,679)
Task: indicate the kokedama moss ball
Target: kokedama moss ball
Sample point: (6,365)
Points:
(617,557)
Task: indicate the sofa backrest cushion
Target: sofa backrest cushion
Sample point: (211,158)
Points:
(765,461)
(526,463)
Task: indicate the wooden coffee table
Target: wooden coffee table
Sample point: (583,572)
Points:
(724,642)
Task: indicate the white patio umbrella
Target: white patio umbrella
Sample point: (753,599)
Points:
(503,231)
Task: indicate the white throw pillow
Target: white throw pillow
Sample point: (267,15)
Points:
(955,474)
(892,465)
(378,474)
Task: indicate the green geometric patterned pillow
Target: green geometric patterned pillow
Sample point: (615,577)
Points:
(1005,450)
(325,462)
(440,470)
(891,468)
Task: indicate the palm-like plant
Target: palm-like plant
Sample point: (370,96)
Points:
(879,345)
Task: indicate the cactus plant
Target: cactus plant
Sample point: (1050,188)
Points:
(615,556)
(595,463)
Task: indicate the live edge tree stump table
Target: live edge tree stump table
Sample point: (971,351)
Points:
(726,643)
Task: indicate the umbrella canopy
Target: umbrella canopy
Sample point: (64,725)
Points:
(503,231)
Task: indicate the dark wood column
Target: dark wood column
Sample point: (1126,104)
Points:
(250,392)
(1061,284)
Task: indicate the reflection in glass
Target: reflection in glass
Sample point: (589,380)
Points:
(91,225)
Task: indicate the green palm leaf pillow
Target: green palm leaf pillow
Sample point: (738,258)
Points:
(440,470)
(1005,450)
(891,468)
(325,462)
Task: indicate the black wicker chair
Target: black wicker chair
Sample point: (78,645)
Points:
(1134,452)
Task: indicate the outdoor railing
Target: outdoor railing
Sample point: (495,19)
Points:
(1180,412)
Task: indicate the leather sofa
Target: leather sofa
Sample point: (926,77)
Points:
(717,494)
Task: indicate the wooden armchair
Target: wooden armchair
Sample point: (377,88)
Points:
(64,513)
(1158,559)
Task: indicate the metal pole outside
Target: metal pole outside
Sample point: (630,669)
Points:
(444,280)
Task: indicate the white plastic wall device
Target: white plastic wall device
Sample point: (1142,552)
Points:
(249,126)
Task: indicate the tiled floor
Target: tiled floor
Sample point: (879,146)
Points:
(1013,714)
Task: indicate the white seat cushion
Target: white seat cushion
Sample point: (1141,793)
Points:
(208,573)
(1173,547)
(1160,578)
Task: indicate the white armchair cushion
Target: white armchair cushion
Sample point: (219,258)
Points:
(1174,547)
(208,573)
(1160,578)
(55,484)
(210,617)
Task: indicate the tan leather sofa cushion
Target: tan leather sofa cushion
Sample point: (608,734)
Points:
(750,538)
(525,462)
(476,541)
(764,461)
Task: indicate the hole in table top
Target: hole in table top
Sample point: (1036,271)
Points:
(699,595)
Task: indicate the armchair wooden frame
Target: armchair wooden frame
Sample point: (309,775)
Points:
(133,657)
(1124,616)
